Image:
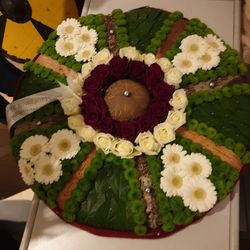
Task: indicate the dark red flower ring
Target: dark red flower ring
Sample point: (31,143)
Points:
(95,110)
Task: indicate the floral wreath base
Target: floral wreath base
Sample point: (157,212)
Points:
(183,179)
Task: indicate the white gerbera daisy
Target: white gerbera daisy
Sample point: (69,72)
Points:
(214,43)
(85,53)
(185,64)
(193,46)
(66,47)
(196,164)
(209,59)
(199,194)
(87,36)
(34,147)
(173,155)
(48,170)
(68,28)
(27,171)
(171,182)
(64,144)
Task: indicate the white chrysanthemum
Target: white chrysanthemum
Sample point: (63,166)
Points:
(214,43)
(34,147)
(87,36)
(85,53)
(64,144)
(68,28)
(185,64)
(173,155)
(27,171)
(193,46)
(66,47)
(196,164)
(171,182)
(208,60)
(47,170)
(199,194)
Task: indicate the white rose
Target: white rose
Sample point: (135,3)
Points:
(149,59)
(164,63)
(87,133)
(123,148)
(70,105)
(130,52)
(179,100)
(104,142)
(176,118)
(147,143)
(76,85)
(102,57)
(173,76)
(75,121)
(164,133)
(86,69)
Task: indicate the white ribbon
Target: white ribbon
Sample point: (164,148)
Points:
(27,105)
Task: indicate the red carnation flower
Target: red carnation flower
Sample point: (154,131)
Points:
(154,75)
(94,110)
(162,90)
(118,67)
(92,84)
(159,109)
(146,122)
(107,125)
(102,72)
(137,71)
(127,130)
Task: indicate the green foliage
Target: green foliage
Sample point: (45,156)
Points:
(107,204)
(142,26)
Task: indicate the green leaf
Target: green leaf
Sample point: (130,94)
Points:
(107,204)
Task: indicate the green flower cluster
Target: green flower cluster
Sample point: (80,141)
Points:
(97,22)
(223,175)
(162,33)
(80,193)
(50,192)
(121,31)
(171,209)
(197,98)
(135,196)
(238,148)
(44,72)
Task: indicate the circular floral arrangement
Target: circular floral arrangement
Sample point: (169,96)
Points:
(148,132)
(129,104)
(95,110)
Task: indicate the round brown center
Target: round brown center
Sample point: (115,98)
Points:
(126,100)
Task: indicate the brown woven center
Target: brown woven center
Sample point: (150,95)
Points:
(126,100)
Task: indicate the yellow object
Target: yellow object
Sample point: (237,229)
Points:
(22,40)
